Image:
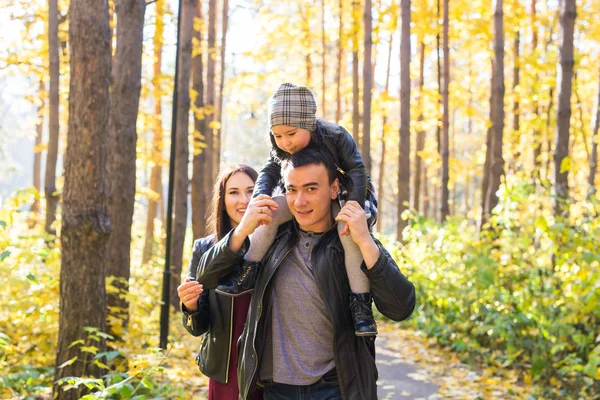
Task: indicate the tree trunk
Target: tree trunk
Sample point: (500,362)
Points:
(421,133)
(323,61)
(125,98)
(224,22)
(381,188)
(485,182)
(497,164)
(53,121)
(516,113)
(355,88)
(594,156)
(404,146)
(338,73)
(436,185)
(37,151)
(367,77)
(564,84)
(157,140)
(210,99)
(85,222)
(200,190)
(537,140)
(444,209)
(180,205)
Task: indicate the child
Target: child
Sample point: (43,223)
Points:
(294,126)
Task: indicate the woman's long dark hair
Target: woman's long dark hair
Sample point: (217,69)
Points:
(219,223)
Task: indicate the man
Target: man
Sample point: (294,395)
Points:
(299,339)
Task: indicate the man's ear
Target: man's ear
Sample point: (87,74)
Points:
(335,189)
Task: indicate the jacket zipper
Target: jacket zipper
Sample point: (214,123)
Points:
(256,324)
(230,341)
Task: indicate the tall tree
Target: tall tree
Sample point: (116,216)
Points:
(53,124)
(338,72)
(438,134)
(381,188)
(497,164)
(200,194)
(85,222)
(367,86)
(219,116)
(444,207)
(537,140)
(516,128)
(157,137)
(564,84)
(485,181)
(404,146)
(209,106)
(180,202)
(37,151)
(421,133)
(125,99)
(355,88)
(594,154)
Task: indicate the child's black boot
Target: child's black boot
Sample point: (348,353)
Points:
(362,314)
(241,281)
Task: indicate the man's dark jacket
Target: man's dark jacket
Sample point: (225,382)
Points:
(393,294)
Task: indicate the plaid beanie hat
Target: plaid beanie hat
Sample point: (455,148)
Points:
(293,105)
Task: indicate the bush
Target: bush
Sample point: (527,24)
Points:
(525,293)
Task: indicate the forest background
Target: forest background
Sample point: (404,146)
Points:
(478,122)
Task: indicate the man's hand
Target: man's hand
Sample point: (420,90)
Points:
(259,212)
(356,221)
(189,292)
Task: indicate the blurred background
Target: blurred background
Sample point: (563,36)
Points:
(478,122)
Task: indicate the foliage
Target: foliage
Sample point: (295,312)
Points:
(524,295)
(29,270)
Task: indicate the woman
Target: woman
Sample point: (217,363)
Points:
(219,318)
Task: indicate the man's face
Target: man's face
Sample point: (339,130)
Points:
(309,196)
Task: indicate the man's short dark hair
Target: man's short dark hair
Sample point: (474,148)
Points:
(309,156)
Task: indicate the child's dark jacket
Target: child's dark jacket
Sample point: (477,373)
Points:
(338,144)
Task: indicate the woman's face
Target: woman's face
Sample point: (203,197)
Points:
(238,192)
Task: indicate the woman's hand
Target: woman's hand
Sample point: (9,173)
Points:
(189,292)
(259,212)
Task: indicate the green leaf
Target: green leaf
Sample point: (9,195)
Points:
(565,165)
(75,343)
(100,364)
(538,366)
(33,279)
(2,224)
(108,354)
(89,349)
(147,382)
(485,276)
(68,362)
(126,390)
(4,254)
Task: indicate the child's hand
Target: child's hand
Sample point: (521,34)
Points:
(356,222)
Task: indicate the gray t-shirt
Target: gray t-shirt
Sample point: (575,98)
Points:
(299,345)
